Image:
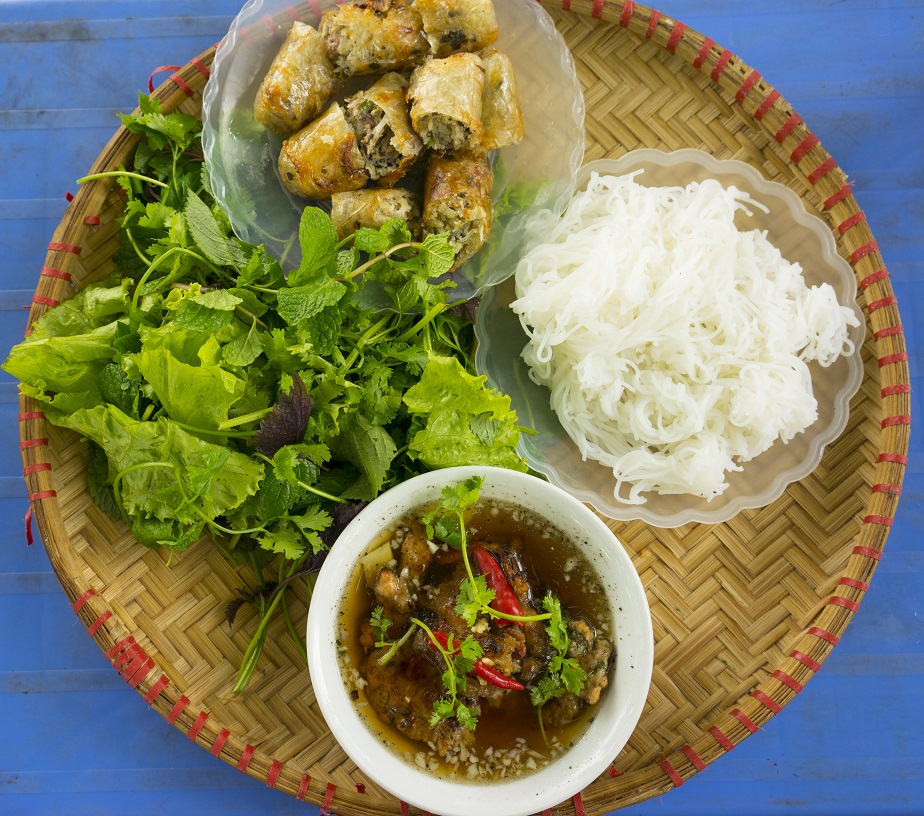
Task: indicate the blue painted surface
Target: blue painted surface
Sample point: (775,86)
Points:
(77,739)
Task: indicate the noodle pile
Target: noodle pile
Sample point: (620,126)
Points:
(673,344)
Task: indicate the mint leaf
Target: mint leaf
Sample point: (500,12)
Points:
(206,232)
(301,303)
(318,240)
(118,389)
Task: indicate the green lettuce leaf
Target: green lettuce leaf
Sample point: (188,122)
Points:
(466,423)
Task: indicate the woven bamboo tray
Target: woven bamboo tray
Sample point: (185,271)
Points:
(744,612)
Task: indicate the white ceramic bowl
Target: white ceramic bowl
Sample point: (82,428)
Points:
(618,712)
(241,155)
(801,237)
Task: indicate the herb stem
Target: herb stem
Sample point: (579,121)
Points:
(422,323)
(123,174)
(399,643)
(244,419)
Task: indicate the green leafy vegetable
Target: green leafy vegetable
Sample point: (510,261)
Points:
(225,399)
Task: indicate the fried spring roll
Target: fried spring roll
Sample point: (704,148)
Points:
(299,83)
(374,37)
(446,99)
(323,158)
(501,114)
(458,25)
(379,116)
(372,208)
(457,200)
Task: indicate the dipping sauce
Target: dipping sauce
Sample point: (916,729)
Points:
(414,582)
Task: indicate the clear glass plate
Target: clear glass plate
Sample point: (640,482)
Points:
(537,174)
(801,237)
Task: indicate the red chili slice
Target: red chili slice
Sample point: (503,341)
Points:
(482,669)
(505,599)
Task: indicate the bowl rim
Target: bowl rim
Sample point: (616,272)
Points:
(573,770)
(844,286)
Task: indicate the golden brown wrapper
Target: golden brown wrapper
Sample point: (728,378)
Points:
(446,99)
(457,200)
(323,158)
(366,38)
(373,207)
(299,83)
(501,113)
(458,25)
(381,120)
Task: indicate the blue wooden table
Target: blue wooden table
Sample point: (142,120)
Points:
(77,740)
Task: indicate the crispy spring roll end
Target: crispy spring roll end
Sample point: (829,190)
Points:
(457,201)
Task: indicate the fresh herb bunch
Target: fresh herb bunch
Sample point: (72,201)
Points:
(446,522)
(222,397)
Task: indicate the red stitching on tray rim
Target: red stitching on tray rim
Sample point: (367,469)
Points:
(889,331)
(162,682)
(627,10)
(676,33)
(117,648)
(764,106)
(42,494)
(39,467)
(788,127)
(767,701)
(196,727)
(122,658)
(724,741)
(177,709)
(745,720)
(303,788)
(822,170)
(863,586)
(785,679)
(51,272)
(845,603)
(703,52)
(578,801)
(895,458)
(825,635)
(246,756)
(220,741)
(92,220)
(721,64)
(889,359)
(840,195)
(868,552)
(889,300)
(45,301)
(694,758)
(861,252)
(893,421)
(58,246)
(23,416)
(597,9)
(329,792)
(158,70)
(200,67)
(273,776)
(671,772)
(182,85)
(745,88)
(81,602)
(805,660)
(404,807)
(652,24)
(885,521)
(891,391)
(801,149)
(852,221)
(136,679)
(874,277)
(33,443)
(94,627)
